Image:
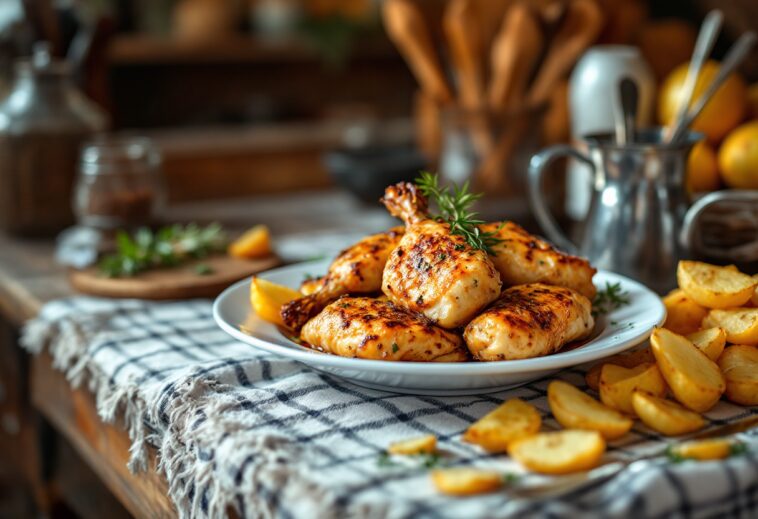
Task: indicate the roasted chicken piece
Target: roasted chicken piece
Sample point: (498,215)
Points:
(356,270)
(433,271)
(522,258)
(529,321)
(370,328)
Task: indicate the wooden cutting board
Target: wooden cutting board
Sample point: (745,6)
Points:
(180,282)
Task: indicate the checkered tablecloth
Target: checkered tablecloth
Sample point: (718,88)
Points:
(237,427)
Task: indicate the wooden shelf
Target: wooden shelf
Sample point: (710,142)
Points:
(146,50)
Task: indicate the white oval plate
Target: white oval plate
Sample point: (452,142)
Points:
(619,330)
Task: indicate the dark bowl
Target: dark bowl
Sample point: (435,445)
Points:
(366,172)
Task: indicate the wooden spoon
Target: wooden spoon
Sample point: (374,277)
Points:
(580,27)
(405,26)
(515,53)
(461,26)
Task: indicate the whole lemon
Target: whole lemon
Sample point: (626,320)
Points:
(738,157)
(722,113)
(702,169)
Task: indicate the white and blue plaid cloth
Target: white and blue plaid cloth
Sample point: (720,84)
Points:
(237,427)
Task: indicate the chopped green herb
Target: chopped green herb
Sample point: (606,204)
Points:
(442,256)
(203,269)
(384,460)
(609,299)
(167,247)
(429,460)
(510,477)
(395,347)
(738,449)
(454,204)
(673,456)
(459,246)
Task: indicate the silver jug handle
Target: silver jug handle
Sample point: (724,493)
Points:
(537,167)
(690,236)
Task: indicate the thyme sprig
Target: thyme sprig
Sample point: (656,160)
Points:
(609,299)
(166,247)
(454,205)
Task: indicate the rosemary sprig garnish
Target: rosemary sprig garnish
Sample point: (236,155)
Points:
(454,205)
(166,247)
(609,299)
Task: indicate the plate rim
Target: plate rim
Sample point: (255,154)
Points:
(556,361)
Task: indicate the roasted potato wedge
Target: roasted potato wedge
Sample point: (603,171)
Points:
(754,297)
(576,410)
(627,359)
(665,416)
(464,481)
(617,384)
(740,324)
(739,364)
(559,452)
(710,341)
(714,287)
(255,243)
(683,315)
(422,445)
(704,450)
(695,380)
(512,420)
(267,299)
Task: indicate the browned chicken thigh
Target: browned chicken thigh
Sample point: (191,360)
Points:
(356,270)
(433,271)
(523,258)
(369,328)
(529,321)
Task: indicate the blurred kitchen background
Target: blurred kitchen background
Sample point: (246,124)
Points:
(245,97)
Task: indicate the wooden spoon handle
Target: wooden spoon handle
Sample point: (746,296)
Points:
(461,26)
(406,28)
(515,52)
(580,27)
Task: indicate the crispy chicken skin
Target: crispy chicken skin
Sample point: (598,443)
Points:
(432,271)
(356,270)
(369,328)
(523,258)
(529,321)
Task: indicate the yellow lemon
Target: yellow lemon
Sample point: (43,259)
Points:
(738,157)
(724,110)
(702,169)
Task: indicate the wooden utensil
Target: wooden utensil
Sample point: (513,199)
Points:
(181,282)
(515,53)
(461,26)
(580,27)
(405,26)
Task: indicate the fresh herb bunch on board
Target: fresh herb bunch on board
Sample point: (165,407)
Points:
(166,247)
(454,204)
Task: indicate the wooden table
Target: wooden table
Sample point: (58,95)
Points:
(42,404)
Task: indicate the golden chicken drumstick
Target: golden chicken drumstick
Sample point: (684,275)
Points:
(522,258)
(433,271)
(356,270)
(529,321)
(369,328)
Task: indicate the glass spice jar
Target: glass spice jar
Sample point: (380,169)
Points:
(120,185)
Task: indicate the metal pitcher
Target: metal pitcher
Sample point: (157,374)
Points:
(636,220)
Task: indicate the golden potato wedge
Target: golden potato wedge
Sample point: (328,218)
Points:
(559,452)
(267,299)
(665,416)
(628,359)
(617,384)
(754,297)
(704,450)
(683,315)
(739,364)
(710,341)
(576,410)
(464,481)
(714,287)
(740,324)
(255,243)
(695,380)
(512,420)
(422,445)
